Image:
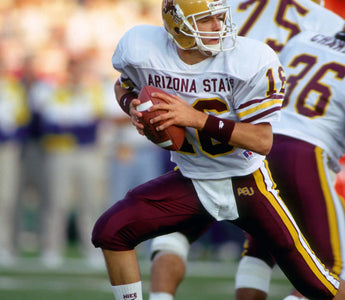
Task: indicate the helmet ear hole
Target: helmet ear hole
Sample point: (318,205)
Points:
(177,30)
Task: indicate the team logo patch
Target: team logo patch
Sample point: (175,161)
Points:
(170,8)
(246,191)
(248,154)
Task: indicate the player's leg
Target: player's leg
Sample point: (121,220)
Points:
(341,291)
(254,271)
(169,255)
(124,274)
(306,186)
(167,272)
(250,293)
(163,205)
(90,202)
(264,215)
(259,294)
(59,170)
(9,187)
(304,183)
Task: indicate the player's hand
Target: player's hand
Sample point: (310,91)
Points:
(136,115)
(179,113)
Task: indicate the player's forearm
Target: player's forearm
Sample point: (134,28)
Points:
(118,90)
(257,138)
(124,97)
(197,120)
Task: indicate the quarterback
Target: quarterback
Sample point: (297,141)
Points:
(228,134)
(275,23)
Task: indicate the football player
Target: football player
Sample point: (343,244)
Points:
(14,123)
(273,22)
(311,139)
(227,99)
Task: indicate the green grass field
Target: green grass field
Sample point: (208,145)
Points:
(74,280)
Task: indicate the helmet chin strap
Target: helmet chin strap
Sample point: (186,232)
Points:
(208,50)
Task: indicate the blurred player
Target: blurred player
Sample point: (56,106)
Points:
(273,22)
(14,120)
(69,111)
(308,142)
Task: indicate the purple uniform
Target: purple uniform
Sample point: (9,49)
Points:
(152,209)
(299,171)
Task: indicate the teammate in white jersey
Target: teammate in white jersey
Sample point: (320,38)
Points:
(309,139)
(226,98)
(276,22)
(273,22)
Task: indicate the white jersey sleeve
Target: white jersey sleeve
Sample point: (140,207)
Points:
(314,106)
(244,85)
(275,22)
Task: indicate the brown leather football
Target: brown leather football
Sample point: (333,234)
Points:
(172,137)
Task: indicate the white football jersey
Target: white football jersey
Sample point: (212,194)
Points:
(314,105)
(274,22)
(244,85)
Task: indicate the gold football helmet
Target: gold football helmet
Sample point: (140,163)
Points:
(320,2)
(180,16)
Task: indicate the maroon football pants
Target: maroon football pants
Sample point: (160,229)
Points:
(169,203)
(298,169)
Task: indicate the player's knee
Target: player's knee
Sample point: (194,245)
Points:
(111,231)
(101,235)
(111,238)
(173,243)
(253,273)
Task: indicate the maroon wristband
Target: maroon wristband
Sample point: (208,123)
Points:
(219,129)
(126,100)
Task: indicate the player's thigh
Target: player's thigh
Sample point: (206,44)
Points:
(265,216)
(163,205)
(303,180)
(256,248)
(306,187)
(262,213)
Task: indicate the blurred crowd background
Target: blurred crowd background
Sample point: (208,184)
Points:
(66,149)
(53,32)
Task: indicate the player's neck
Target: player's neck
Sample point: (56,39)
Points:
(191,57)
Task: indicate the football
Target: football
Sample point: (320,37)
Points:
(172,137)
